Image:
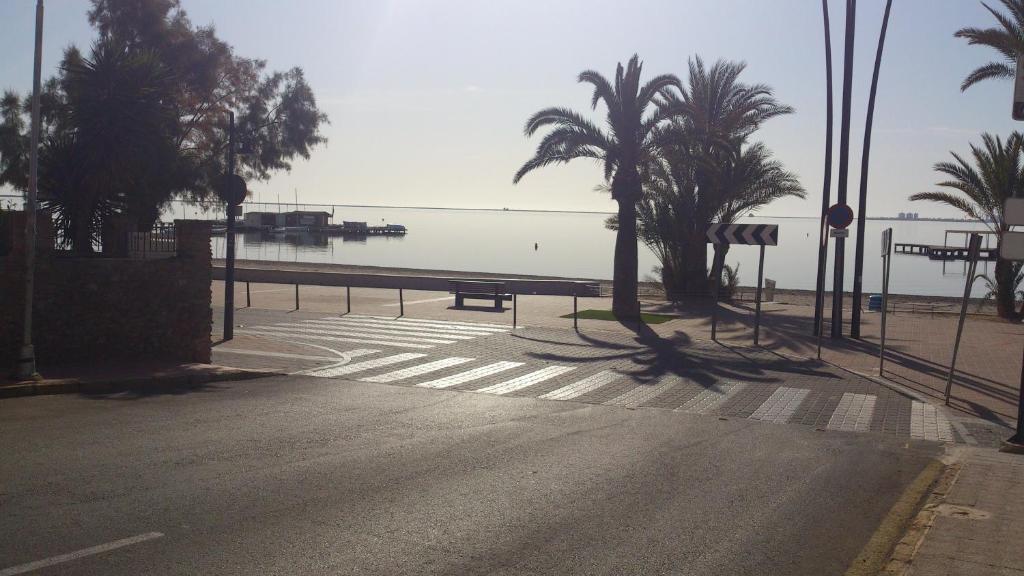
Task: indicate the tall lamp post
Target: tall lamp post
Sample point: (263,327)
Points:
(27,355)
(229,233)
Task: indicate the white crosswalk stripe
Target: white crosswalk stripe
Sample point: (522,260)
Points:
(417,370)
(356,333)
(588,384)
(525,380)
(332,371)
(384,329)
(780,405)
(416,324)
(639,395)
(710,399)
(929,423)
(300,336)
(854,413)
(470,375)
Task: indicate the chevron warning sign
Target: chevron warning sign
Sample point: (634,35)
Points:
(756,234)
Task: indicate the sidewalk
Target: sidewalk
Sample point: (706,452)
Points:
(977,527)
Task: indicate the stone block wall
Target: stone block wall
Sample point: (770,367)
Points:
(93,310)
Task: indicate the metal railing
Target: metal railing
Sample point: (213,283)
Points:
(161,242)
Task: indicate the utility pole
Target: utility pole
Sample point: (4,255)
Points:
(229,232)
(844,166)
(858,258)
(826,188)
(27,354)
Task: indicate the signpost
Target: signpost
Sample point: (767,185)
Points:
(751,234)
(973,249)
(232,192)
(1011,247)
(839,216)
(886,267)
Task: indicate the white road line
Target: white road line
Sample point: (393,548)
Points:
(639,395)
(54,560)
(929,423)
(421,301)
(405,320)
(399,323)
(379,329)
(274,354)
(525,380)
(470,375)
(356,333)
(338,339)
(854,412)
(780,405)
(710,399)
(330,372)
(417,370)
(588,384)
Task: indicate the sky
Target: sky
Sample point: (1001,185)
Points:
(427,99)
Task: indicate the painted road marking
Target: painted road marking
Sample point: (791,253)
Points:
(470,375)
(275,354)
(54,560)
(355,333)
(337,339)
(332,371)
(588,384)
(525,380)
(380,329)
(780,405)
(450,323)
(639,395)
(710,399)
(398,323)
(929,423)
(421,301)
(417,370)
(854,412)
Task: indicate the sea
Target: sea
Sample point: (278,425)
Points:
(577,245)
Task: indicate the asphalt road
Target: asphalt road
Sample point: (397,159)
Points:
(295,475)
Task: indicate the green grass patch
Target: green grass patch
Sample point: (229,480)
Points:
(647,318)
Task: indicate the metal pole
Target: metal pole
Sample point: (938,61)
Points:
(575,319)
(513,311)
(717,273)
(858,258)
(296,296)
(348,300)
(844,167)
(757,307)
(827,185)
(886,270)
(401,303)
(974,247)
(229,257)
(27,354)
(248,299)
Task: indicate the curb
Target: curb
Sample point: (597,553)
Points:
(138,383)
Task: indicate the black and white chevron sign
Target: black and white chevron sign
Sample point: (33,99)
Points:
(756,234)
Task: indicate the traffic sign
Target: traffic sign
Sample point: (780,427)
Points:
(231,189)
(756,234)
(1013,211)
(839,233)
(886,242)
(839,215)
(1011,247)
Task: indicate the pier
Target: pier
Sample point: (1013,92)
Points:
(944,252)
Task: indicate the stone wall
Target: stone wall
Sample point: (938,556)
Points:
(90,310)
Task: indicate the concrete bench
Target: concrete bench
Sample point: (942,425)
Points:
(478,290)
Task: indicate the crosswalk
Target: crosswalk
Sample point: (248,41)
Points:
(410,333)
(843,411)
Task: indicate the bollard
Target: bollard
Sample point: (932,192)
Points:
(575,315)
(248,300)
(296,296)
(513,311)
(348,300)
(401,303)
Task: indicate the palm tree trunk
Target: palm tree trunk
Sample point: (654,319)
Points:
(694,274)
(624,280)
(1005,301)
(826,189)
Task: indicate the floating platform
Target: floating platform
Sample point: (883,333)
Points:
(944,252)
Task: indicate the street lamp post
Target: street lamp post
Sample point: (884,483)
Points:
(27,355)
(229,232)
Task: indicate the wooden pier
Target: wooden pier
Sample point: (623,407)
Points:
(944,252)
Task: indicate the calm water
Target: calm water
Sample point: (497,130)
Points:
(578,245)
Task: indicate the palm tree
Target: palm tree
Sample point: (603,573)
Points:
(997,174)
(623,148)
(712,119)
(1007,38)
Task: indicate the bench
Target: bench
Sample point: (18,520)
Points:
(478,290)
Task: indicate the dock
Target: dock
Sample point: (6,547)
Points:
(944,252)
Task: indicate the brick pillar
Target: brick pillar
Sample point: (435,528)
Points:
(195,259)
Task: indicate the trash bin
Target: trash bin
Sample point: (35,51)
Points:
(875,303)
